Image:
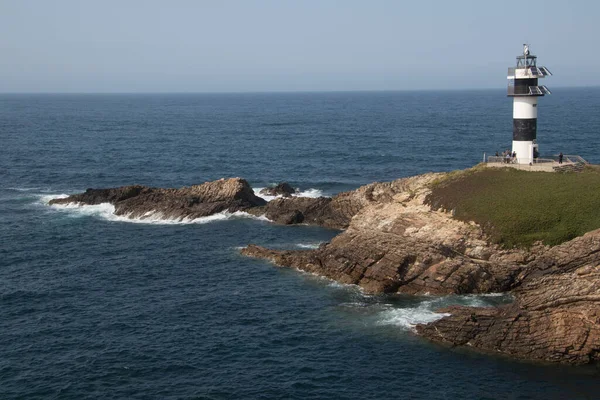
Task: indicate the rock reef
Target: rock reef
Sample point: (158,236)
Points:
(392,241)
(191,202)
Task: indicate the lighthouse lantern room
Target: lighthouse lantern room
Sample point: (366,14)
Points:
(523,87)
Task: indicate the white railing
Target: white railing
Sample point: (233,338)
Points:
(503,160)
(572,159)
(542,160)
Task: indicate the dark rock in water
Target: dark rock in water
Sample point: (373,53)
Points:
(98,196)
(290,218)
(231,195)
(298,210)
(283,189)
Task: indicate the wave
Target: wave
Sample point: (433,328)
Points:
(20,189)
(312,193)
(347,286)
(106,211)
(45,198)
(310,246)
(426,311)
(409,317)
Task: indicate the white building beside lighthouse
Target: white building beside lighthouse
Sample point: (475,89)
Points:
(523,87)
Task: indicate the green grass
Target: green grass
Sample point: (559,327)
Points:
(516,208)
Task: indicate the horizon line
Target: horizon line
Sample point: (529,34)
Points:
(282,91)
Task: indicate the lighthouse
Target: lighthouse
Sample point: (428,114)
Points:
(523,87)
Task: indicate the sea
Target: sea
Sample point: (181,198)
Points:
(94,306)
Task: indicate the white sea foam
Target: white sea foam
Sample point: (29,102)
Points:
(484,300)
(490,295)
(425,311)
(330,282)
(106,211)
(263,196)
(312,193)
(409,317)
(473,301)
(338,285)
(308,245)
(45,198)
(18,189)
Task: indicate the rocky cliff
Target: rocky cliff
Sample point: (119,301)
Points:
(555,316)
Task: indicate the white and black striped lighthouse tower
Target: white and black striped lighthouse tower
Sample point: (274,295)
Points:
(523,87)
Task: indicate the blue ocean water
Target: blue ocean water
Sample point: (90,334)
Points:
(92,306)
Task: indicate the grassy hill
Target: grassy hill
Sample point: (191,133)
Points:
(517,208)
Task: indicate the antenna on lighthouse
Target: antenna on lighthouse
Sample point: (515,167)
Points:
(523,87)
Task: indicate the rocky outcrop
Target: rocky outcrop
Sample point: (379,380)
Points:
(191,202)
(555,316)
(296,210)
(394,243)
(99,196)
(232,195)
(283,189)
(338,211)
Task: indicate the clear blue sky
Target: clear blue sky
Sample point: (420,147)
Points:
(280,45)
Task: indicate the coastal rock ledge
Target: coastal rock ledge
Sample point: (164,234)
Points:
(394,242)
(555,316)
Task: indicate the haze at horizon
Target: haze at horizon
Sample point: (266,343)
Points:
(236,46)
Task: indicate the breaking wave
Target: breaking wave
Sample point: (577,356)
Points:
(45,199)
(106,211)
(406,312)
(409,317)
(22,189)
(426,310)
(310,246)
(312,193)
